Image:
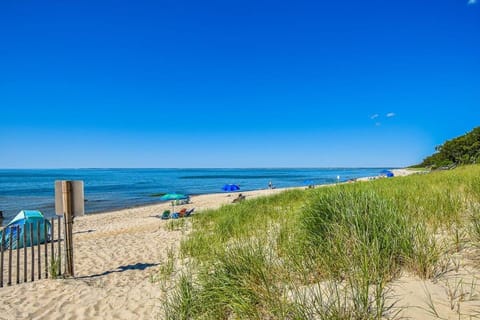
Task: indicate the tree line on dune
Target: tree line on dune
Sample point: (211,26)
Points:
(461,150)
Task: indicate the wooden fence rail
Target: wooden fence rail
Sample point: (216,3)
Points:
(17,240)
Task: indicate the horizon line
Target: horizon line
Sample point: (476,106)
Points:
(180,168)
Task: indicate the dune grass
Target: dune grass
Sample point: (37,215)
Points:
(325,253)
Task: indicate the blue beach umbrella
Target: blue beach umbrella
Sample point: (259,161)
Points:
(230,187)
(387,173)
(309,183)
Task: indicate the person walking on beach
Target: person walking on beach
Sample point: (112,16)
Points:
(270,186)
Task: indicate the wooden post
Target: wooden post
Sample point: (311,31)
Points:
(52,236)
(2,248)
(68,214)
(46,247)
(10,258)
(25,229)
(32,248)
(59,243)
(39,252)
(18,254)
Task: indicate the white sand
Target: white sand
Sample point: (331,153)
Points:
(116,254)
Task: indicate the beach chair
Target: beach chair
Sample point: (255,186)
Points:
(182,212)
(165,215)
(175,215)
(189,212)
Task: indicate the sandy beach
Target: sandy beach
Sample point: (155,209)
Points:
(117,254)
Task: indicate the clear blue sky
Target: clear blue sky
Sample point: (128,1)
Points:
(235,83)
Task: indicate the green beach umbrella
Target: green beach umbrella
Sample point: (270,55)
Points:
(173,197)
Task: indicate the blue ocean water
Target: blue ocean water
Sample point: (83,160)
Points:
(108,189)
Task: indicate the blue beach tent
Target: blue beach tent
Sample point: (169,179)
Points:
(22,223)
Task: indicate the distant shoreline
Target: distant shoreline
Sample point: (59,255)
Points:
(108,190)
(266,191)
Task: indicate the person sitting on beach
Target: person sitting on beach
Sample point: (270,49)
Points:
(239,198)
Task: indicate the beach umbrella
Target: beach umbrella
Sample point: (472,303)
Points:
(309,183)
(230,187)
(173,196)
(387,173)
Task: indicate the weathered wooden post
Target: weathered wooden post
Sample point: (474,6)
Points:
(45,231)
(18,254)
(32,247)
(25,231)
(2,248)
(10,240)
(67,212)
(52,237)
(52,246)
(69,202)
(39,252)
(59,245)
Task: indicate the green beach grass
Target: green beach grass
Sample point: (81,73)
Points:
(325,253)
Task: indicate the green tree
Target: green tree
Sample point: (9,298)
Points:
(458,151)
